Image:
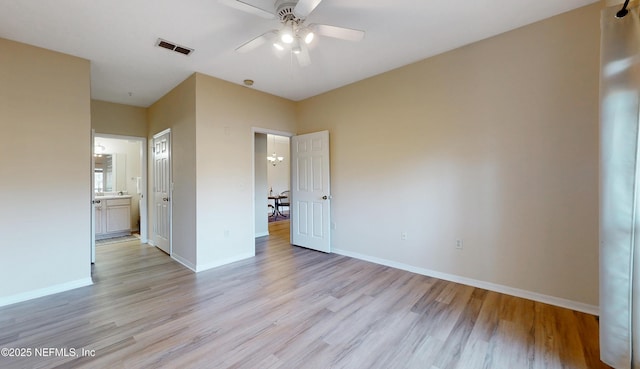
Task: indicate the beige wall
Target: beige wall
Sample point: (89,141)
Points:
(226,114)
(176,110)
(45,191)
(212,152)
(118,119)
(495,143)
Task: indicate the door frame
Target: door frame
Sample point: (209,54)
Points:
(265,131)
(144,235)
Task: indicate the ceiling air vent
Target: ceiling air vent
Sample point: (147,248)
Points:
(173,47)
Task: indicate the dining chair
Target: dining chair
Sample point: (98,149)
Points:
(284,201)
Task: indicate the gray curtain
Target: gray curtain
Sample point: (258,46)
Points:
(620,185)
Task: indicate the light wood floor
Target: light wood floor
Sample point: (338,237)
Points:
(289,308)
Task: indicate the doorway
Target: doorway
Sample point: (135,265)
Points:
(309,184)
(119,173)
(272,168)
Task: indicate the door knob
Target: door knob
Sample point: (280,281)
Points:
(325,197)
(165,199)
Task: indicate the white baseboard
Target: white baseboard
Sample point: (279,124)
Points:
(551,300)
(41,292)
(150,242)
(262,234)
(199,268)
(184,262)
(218,263)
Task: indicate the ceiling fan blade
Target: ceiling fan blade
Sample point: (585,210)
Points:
(305,7)
(247,8)
(338,32)
(257,41)
(303,56)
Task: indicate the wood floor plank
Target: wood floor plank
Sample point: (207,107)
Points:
(289,307)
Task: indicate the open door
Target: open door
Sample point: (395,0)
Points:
(93,198)
(310,191)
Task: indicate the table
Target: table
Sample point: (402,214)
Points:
(276,206)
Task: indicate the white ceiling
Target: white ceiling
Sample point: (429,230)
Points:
(119,36)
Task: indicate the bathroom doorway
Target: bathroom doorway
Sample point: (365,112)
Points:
(119,191)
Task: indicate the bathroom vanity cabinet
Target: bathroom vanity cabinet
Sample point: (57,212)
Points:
(113,216)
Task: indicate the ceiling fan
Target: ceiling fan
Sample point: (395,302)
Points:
(294,35)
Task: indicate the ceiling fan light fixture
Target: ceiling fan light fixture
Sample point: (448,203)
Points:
(293,36)
(295,46)
(286,37)
(308,38)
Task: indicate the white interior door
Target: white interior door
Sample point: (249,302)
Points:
(162,190)
(93,199)
(310,191)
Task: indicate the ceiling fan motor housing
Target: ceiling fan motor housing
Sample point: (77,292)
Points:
(284,9)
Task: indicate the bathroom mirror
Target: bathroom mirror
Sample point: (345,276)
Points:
(110,172)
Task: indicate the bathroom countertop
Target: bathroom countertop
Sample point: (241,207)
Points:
(108,197)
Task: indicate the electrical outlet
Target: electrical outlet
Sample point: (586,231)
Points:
(403,236)
(459,244)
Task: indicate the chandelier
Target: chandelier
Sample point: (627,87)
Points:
(274,158)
